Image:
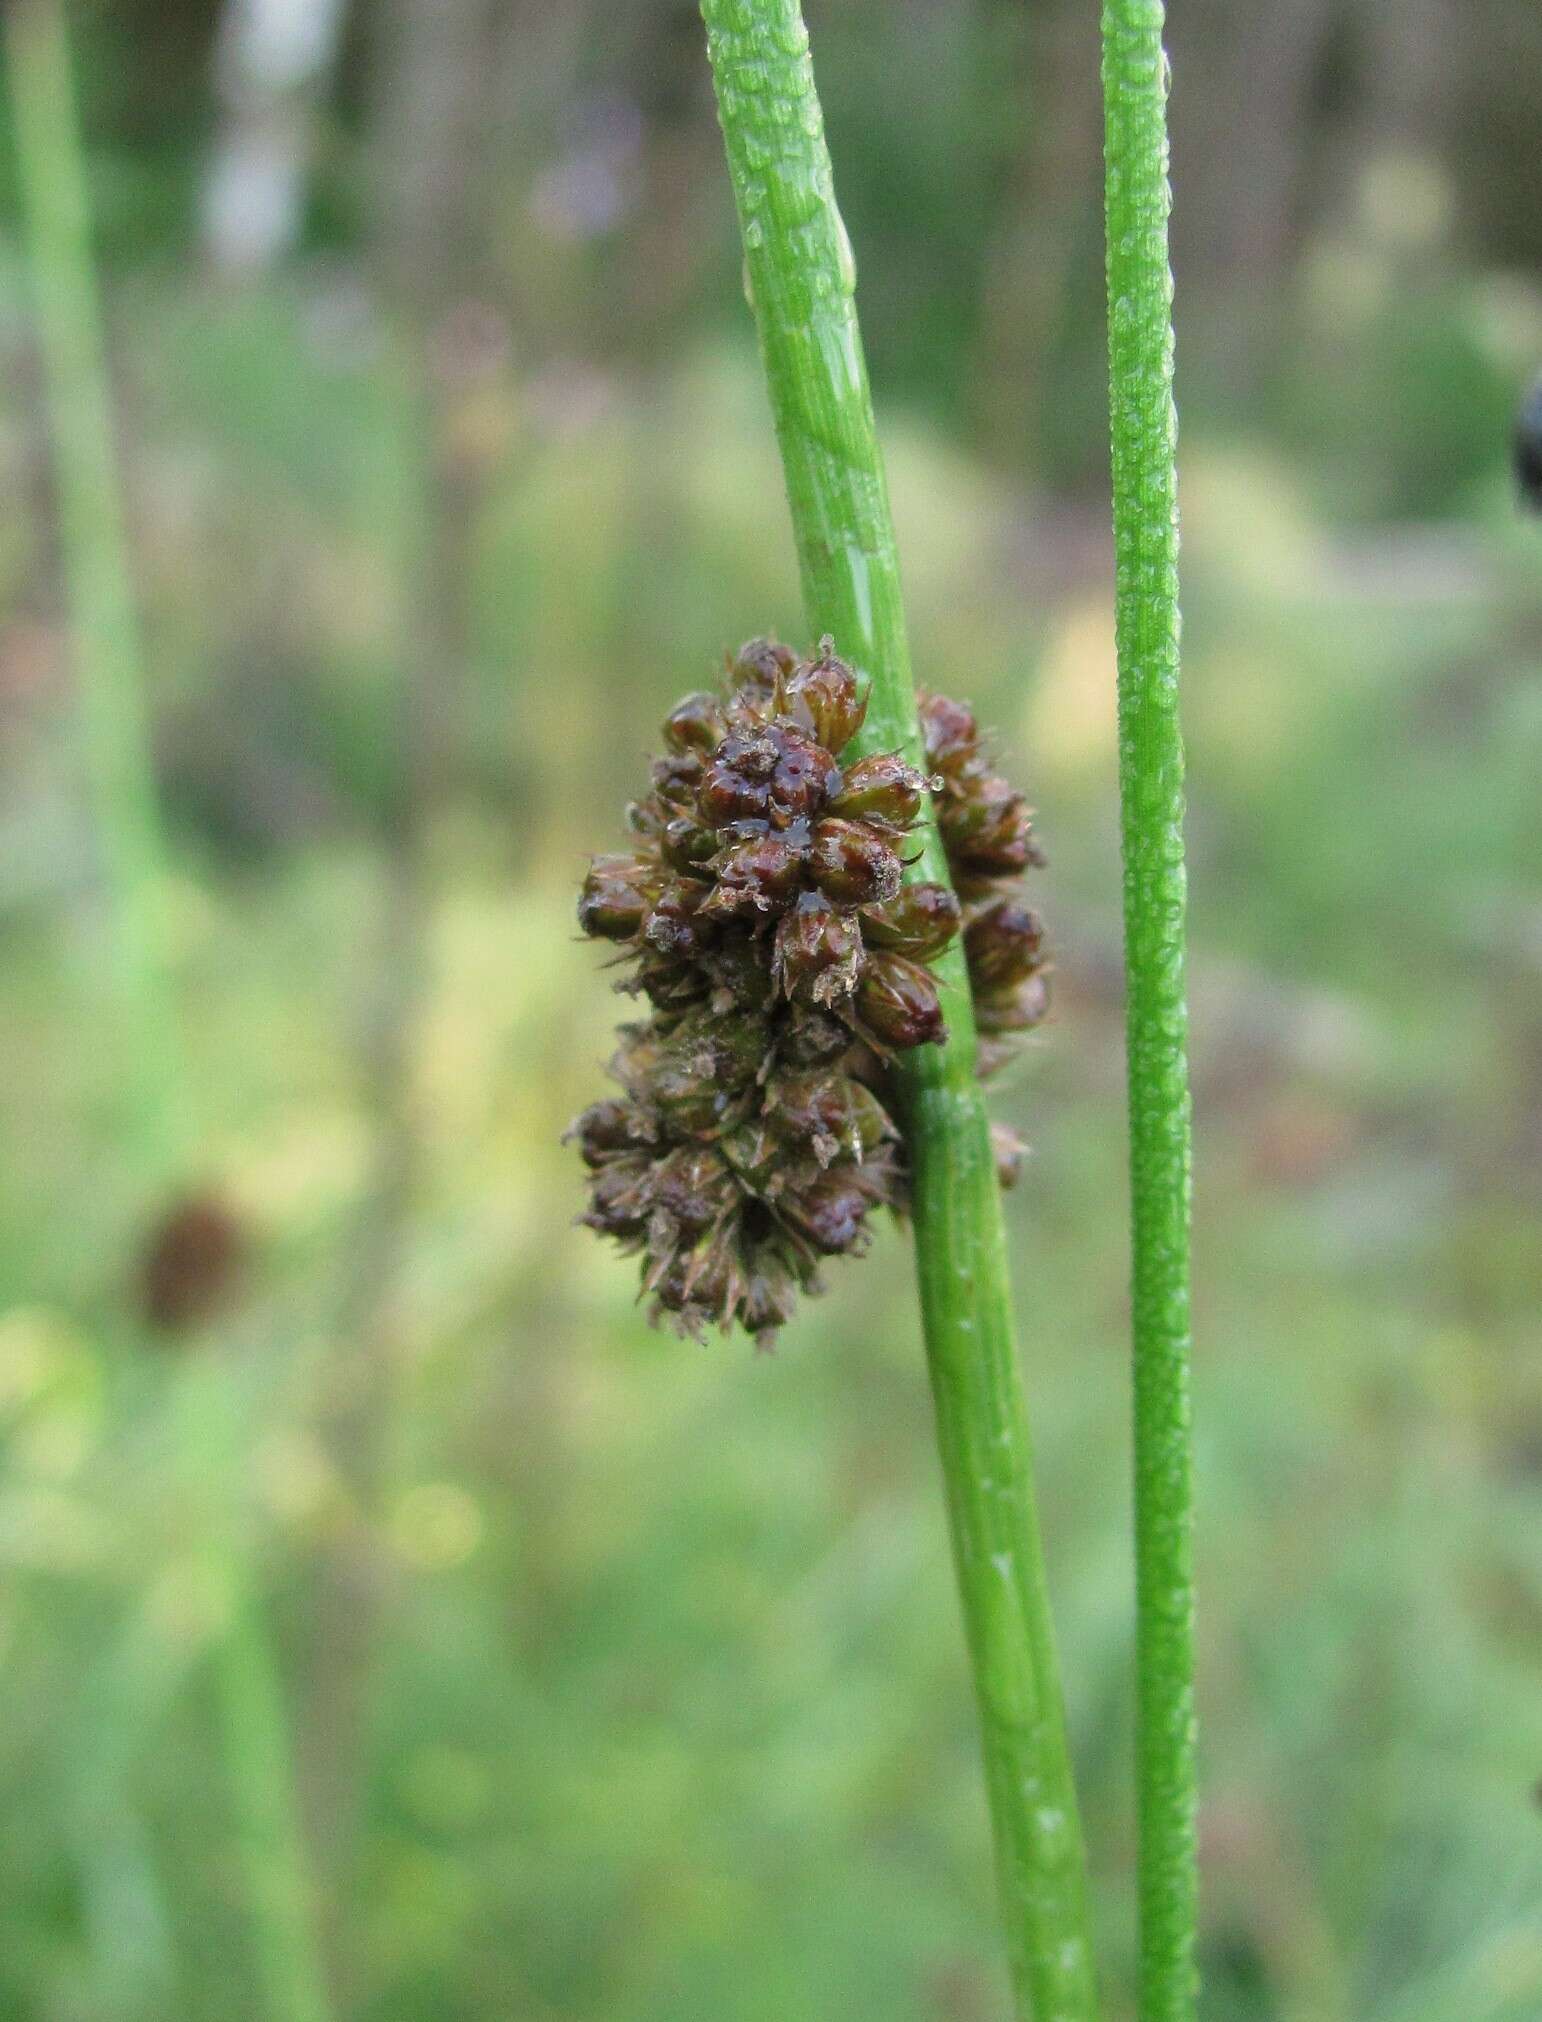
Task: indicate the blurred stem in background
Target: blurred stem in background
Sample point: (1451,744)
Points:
(433,197)
(116,757)
(802,282)
(1143,432)
(272,62)
(113,731)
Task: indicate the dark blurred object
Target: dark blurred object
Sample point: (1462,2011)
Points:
(1528,447)
(190,1263)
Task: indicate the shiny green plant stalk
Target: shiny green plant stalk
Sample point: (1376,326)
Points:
(115,749)
(800,277)
(1143,436)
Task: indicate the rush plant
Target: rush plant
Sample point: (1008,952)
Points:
(883,1115)
(1143,432)
(800,279)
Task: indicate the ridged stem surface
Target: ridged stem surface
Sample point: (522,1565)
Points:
(799,271)
(1143,436)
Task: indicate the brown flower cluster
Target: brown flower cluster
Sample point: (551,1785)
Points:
(761,913)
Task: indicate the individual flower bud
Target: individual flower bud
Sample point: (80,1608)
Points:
(1008,1149)
(768,1301)
(704,1068)
(818,952)
(751,1150)
(616,896)
(677,776)
(737,974)
(813,1038)
(853,865)
(672,925)
(698,1286)
(882,788)
(693,1187)
(685,845)
(618,1199)
(760,665)
(831,1112)
(948,731)
(670,984)
(831,1211)
(1016,1010)
(762,873)
(897,1002)
(824,694)
(1003,945)
(608,1128)
(919,921)
(989,831)
(696,724)
(726,796)
(800,785)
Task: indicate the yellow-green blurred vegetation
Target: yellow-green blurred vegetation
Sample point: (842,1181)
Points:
(624,1676)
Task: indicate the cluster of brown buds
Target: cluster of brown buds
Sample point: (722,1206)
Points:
(761,912)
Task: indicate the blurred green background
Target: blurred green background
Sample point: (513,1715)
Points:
(622,1678)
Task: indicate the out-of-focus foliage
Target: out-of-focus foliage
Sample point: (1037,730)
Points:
(668,1716)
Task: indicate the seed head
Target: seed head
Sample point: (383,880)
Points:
(761,915)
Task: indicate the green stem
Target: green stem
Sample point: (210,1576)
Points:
(114,736)
(801,281)
(120,779)
(1143,433)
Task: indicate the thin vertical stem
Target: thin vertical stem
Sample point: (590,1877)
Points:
(115,746)
(1143,434)
(109,672)
(801,279)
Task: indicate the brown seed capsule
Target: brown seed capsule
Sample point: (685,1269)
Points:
(727,795)
(830,1111)
(696,724)
(704,1068)
(760,665)
(949,732)
(813,1038)
(1003,945)
(676,924)
(760,874)
(853,864)
(897,1003)
(769,1298)
(824,694)
(831,1211)
(1009,1151)
(818,952)
(616,896)
(686,845)
(801,782)
(1015,1010)
(677,776)
(693,1187)
(737,974)
(608,1128)
(989,831)
(882,788)
(699,1286)
(919,921)
(618,1199)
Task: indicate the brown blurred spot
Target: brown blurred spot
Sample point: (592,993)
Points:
(1298,1140)
(189,1264)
